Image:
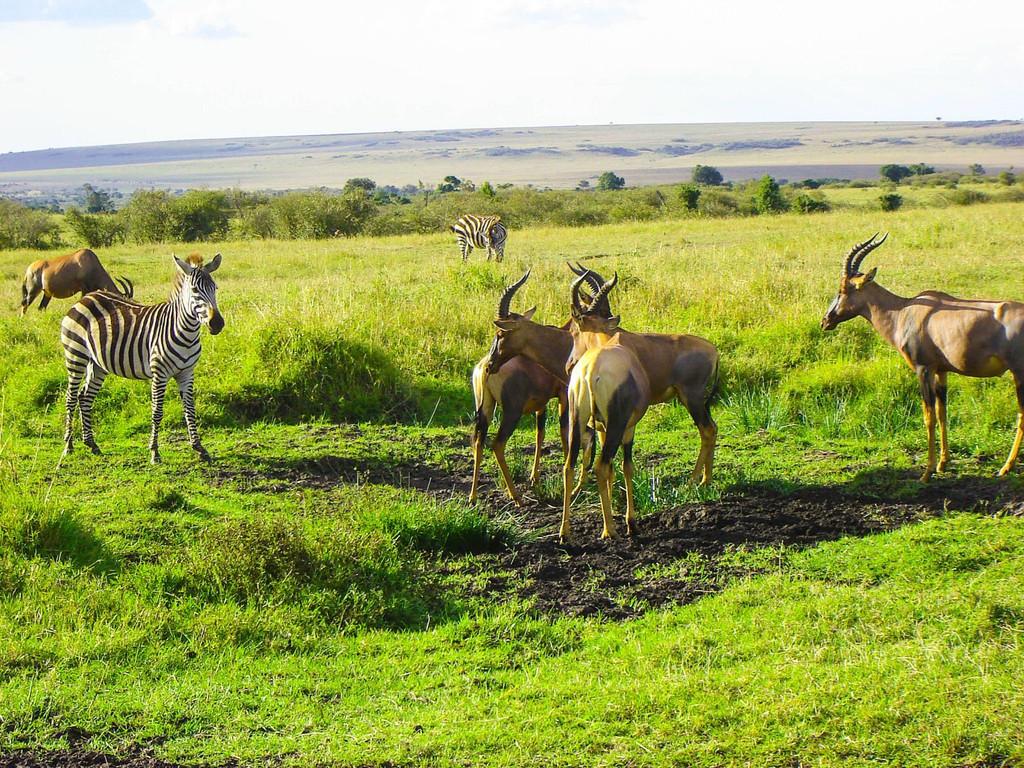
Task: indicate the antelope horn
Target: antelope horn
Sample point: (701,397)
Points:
(577,308)
(848,268)
(506,297)
(602,295)
(868,248)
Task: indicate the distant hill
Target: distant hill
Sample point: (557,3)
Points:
(554,156)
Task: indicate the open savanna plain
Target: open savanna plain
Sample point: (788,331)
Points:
(323,593)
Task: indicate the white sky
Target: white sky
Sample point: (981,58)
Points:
(77,72)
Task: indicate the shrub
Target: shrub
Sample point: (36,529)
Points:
(22,227)
(254,222)
(363,183)
(1009,178)
(890,201)
(197,215)
(767,197)
(921,169)
(976,169)
(809,204)
(716,203)
(98,230)
(146,217)
(609,181)
(707,175)
(965,196)
(318,215)
(689,194)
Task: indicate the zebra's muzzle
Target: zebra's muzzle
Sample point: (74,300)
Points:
(216,322)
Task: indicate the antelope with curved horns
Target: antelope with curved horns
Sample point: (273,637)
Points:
(678,366)
(609,388)
(936,334)
(63,277)
(520,386)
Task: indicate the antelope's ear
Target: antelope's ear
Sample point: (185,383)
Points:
(212,266)
(861,280)
(183,266)
(612,323)
(504,325)
(529,313)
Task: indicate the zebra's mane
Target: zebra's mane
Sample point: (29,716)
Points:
(179,278)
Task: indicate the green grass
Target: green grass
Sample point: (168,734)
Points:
(321,593)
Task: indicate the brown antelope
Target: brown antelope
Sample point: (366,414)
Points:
(519,386)
(63,277)
(936,334)
(608,388)
(677,365)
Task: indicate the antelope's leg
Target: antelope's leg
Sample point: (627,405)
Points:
(927,381)
(509,416)
(1018,381)
(93,381)
(479,435)
(708,430)
(941,393)
(588,441)
(605,475)
(627,473)
(43,302)
(542,416)
(568,470)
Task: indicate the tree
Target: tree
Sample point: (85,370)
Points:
(199,214)
(361,182)
(22,227)
(583,185)
(921,169)
(146,216)
(690,195)
(608,181)
(450,184)
(767,197)
(1009,178)
(814,203)
(707,175)
(487,190)
(894,173)
(96,200)
(977,169)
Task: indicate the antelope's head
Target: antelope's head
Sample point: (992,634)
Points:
(592,322)
(851,300)
(512,335)
(199,292)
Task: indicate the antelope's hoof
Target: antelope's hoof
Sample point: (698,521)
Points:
(472,498)
(942,465)
(631,529)
(926,476)
(608,534)
(1004,471)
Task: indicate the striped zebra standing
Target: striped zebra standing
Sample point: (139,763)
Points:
(105,333)
(481,232)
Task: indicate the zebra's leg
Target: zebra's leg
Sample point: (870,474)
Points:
(189,404)
(466,249)
(157,391)
(94,377)
(75,377)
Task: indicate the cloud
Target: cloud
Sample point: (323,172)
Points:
(75,12)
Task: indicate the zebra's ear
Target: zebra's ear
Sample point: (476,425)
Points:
(212,266)
(183,266)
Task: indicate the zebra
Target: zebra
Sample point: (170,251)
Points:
(106,333)
(481,232)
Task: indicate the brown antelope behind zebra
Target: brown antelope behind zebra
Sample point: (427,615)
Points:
(480,232)
(609,389)
(63,277)
(936,334)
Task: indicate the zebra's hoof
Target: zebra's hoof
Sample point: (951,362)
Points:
(95,449)
(204,455)
(154,458)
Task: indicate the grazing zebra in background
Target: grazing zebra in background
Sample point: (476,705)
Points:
(481,232)
(105,333)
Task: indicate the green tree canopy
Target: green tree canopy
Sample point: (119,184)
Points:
(608,180)
(707,174)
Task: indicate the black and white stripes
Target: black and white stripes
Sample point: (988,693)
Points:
(105,333)
(481,232)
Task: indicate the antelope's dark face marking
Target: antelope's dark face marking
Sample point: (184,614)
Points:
(509,339)
(849,302)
